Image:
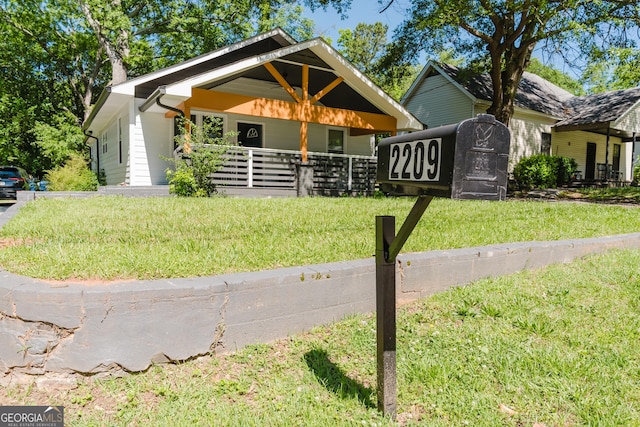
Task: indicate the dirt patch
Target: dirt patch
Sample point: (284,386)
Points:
(10,242)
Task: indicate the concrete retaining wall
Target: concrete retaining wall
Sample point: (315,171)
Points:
(125,327)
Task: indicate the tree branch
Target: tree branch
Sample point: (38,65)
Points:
(384,9)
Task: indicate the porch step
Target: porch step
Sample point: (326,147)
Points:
(135,191)
(257,192)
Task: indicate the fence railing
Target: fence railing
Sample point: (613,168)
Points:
(333,174)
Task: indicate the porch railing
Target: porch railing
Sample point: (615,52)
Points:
(333,174)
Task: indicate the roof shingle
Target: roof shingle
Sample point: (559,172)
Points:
(537,94)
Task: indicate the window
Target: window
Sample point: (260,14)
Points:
(250,134)
(616,157)
(177,130)
(336,141)
(212,123)
(545,144)
(105,142)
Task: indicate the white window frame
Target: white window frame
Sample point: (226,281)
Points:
(104,141)
(199,114)
(344,139)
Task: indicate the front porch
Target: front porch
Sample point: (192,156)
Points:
(271,173)
(602,178)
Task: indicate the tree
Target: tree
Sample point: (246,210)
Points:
(502,34)
(619,68)
(56,56)
(556,77)
(86,44)
(365,47)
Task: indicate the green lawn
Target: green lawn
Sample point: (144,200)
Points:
(558,346)
(114,237)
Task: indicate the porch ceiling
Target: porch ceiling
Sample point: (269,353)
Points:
(599,128)
(320,75)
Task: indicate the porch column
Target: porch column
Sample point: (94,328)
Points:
(606,156)
(304,133)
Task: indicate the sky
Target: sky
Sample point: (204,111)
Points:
(368,11)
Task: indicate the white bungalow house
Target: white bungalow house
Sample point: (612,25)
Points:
(595,130)
(289,102)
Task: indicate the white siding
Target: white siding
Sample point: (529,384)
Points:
(152,141)
(109,146)
(438,102)
(526,135)
(285,135)
(574,144)
(630,121)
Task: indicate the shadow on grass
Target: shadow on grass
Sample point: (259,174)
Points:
(335,380)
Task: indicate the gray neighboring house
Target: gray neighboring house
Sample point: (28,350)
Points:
(595,130)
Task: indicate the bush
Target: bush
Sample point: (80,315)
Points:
(75,175)
(205,147)
(636,172)
(182,182)
(543,171)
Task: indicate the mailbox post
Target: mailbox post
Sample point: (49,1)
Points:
(467,160)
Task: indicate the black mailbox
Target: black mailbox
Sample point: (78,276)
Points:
(467,160)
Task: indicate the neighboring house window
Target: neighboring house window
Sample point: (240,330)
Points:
(336,141)
(545,145)
(250,134)
(105,142)
(120,140)
(616,157)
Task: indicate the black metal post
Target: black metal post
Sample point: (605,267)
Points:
(386,316)
(388,246)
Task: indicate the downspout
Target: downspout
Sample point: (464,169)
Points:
(156,96)
(170,108)
(88,134)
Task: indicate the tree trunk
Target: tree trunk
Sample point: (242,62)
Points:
(116,50)
(506,80)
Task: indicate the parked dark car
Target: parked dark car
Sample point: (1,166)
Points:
(12,179)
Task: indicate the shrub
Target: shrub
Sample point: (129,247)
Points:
(182,182)
(636,172)
(205,147)
(75,175)
(543,171)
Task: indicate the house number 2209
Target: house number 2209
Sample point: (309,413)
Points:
(415,160)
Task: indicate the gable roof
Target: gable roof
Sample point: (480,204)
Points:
(534,92)
(144,85)
(600,108)
(593,112)
(245,60)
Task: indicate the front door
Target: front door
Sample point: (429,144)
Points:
(590,168)
(250,135)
